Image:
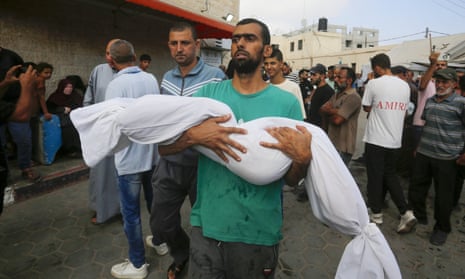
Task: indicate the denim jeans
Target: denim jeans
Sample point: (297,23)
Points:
(129,187)
(22,136)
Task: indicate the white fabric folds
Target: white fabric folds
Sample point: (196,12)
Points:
(107,127)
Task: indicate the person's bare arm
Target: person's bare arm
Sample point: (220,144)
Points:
(43,105)
(295,143)
(332,113)
(425,79)
(211,135)
(23,108)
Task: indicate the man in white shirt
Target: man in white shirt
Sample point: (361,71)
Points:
(386,100)
(273,67)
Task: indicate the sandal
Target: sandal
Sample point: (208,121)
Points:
(31,175)
(175,269)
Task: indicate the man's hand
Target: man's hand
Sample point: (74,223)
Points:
(28,80)
(11,74)
(294,143)
(433,58)
(327,108)
(216,137)
(461,160)
(47,116)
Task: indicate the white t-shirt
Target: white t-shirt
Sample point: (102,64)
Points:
(293,88)
(388,97)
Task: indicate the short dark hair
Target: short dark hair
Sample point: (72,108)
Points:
(122,51)
(145,57)
(276,53)
(42,66)
(183,25)
(350,73)
(331,67)
(266,37)
(303,70)
(381,60)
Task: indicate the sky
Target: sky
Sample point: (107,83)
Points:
(396,20)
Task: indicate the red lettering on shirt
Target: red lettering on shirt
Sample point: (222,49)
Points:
(391,106)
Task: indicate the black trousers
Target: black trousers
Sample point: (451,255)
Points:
(381,173)
(443,174)
(171,184)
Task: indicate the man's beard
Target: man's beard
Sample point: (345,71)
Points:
(316,81)
(246,66)
(340,88)
(444,92)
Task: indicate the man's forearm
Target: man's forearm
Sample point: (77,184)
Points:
(181,143)
(295,173)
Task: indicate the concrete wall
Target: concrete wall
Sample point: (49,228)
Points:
(72,35)
(215,9)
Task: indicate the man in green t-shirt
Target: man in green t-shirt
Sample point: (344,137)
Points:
(236,224)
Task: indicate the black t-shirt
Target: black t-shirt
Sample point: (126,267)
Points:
(320,97)
(305,88)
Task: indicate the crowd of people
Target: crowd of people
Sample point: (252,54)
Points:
(236,226)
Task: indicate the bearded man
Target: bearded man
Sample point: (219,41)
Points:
(440,148)
(342,112)
(236,225)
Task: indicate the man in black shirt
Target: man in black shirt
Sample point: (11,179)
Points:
(322,94)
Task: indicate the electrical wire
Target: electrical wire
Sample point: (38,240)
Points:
(450,10)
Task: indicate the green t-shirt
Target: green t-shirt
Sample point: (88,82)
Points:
(229,208)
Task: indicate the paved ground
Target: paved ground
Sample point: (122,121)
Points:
(50,236)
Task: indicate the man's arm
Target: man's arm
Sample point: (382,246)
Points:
(211,135)
(23,108)
(43,105)
(296,145)
(425,79)
(332,113)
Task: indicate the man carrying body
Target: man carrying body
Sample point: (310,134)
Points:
(176,175)
(322,94)
(386,100)
(135,163)
(236,225)
(440,148)
(342,111)
(273,67)
(103,190)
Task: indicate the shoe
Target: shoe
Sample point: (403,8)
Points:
(175,270)
(161,249)
(31,175)
(127,270)
(438,237)
(376,218)
(407,222)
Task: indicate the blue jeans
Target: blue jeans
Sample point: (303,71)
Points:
(129,187)
(22,136)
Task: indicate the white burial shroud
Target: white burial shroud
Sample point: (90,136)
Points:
(107,127)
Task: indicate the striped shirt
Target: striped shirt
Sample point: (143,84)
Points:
(443,135)
(174,83)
